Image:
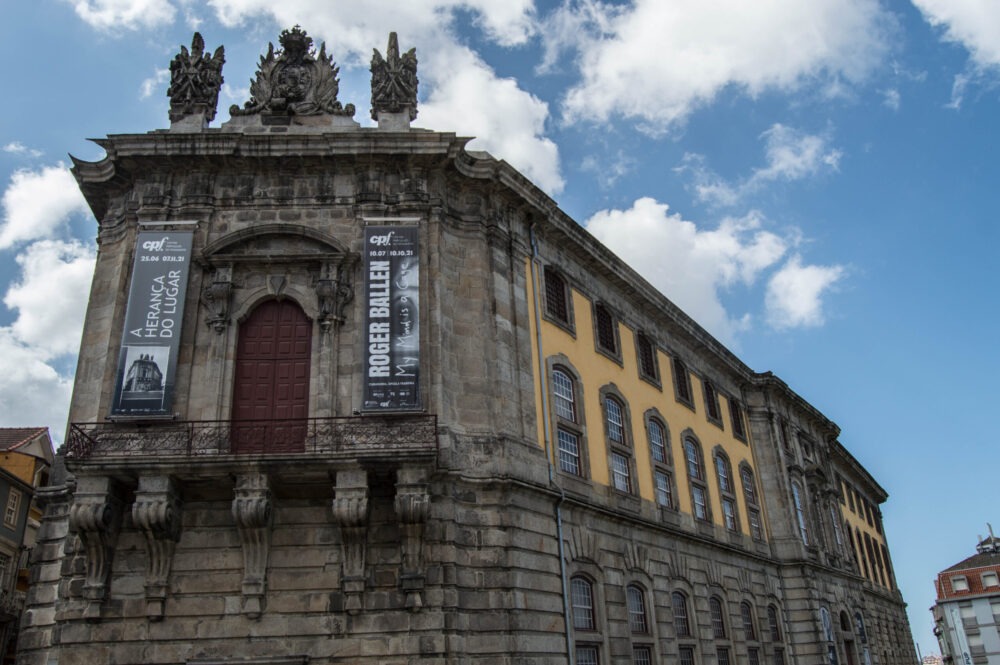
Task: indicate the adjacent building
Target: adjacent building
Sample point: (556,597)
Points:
(967,611)
(25,458)
(411,412)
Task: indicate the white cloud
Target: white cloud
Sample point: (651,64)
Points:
(691,266)
(790,155)
(469,99)
(459,91)
(51,296)
(154,84)
(656,62)
(974,24)
(32,392)
(794,294)
(18,148)
(37,203)
(891,99)
(128,14)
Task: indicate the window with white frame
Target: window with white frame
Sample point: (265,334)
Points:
(12,512)
(753,506)
(568,427)
(696,480)
(617,430)
(727,491)
(659,453)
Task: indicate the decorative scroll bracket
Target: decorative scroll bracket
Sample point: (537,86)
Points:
(252,512)
(350,512)
(412,509)
(157,512)
(96,516)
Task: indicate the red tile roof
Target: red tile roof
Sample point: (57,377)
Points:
(12,438)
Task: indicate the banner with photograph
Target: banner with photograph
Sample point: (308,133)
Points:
(147,361)
(392,326)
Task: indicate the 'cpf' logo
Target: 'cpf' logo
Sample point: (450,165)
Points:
(155,245)
(381,241)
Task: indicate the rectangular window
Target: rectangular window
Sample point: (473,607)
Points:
(729,513)
(700,503)
(607,341)
(682,382)
(850,498)
(755,528)
(569,452)
(779,656)
(620,472)
(712,403)
(586,654)
(736,415)
(647,357)
(556,297)
(565,400)
(642,656)
(11,514)
(959,583)
(990,580)
(754,655)
(657,446)
(686,655)
(664,493)
(722,655)
(4,570)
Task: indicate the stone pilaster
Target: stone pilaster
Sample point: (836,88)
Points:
(412,507)
(350,512)
(96,516)
(157,512)
(252,512)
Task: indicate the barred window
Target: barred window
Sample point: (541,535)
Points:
(682,382)
(722,655)
(712,403)
(753,654)
(736,416)
(772,622)
(718,620)
(605,322)
(746,613)
(642,656)
(686,655)
(586,654)
(681,625)
(647,356)
(637,622)
(556,296)
(582,593)
(753,509)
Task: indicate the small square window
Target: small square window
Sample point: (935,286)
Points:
(990,580)
(959,583)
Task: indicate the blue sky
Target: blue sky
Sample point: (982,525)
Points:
(816,183)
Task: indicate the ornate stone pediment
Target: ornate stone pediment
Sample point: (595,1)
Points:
(294,81)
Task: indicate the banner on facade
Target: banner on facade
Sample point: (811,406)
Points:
(392,330)
(147,361)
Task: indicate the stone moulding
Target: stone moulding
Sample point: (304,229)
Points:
(350,513)
(157,512)
(252,509)
(96,516)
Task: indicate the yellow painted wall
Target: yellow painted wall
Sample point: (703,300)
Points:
(21,466)
(597,370)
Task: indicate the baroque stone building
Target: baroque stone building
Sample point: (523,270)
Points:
(411,412)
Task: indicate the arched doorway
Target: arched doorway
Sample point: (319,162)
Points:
(271,390)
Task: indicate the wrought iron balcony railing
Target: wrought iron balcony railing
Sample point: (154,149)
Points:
(359,435)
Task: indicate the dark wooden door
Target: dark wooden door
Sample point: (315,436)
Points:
(271,395)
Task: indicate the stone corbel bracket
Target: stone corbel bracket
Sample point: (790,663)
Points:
(217,298)
(412,508)
(96,516)
(157,512)
(350,513)
(252,508)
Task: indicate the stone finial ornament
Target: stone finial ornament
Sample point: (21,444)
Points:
(195,80)
(294,81)
(394,80)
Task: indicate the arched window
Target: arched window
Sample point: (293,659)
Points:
(568,426)
(753,506)
(682,627)
(800,513)
(618,431)
(773,625)
(727,491)
(696,479)
(749,629)
(718,618)
(659,453)
(582,593)
(638,622)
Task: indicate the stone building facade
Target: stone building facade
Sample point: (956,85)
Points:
(578,471)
